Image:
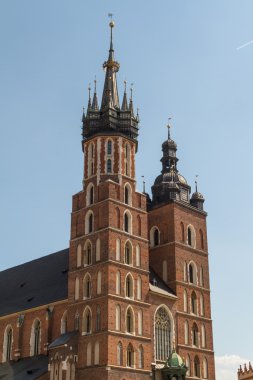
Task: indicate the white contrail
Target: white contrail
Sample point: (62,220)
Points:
(244,45)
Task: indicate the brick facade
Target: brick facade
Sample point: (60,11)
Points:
(112,304)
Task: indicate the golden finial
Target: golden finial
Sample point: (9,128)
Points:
(131,89)
(111,24)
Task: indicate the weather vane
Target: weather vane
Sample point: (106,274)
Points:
(110,15)
(169,126)
(196,182)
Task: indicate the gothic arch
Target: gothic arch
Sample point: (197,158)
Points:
(35,338)
(90,194)
(191,236)
(7,344)
(163,332)
(130,320)
(87,320)
(128,194)
(89,222)
(154,236)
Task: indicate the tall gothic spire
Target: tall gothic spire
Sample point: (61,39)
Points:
(124,106)
(95,99)
(110,93)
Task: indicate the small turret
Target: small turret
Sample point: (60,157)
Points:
(197,199)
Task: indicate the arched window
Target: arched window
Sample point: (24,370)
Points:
(118,281)
(118,249)
(185,271)
(90,194)
(194,303)
(195,335)
(99,282)
(201,277)
(35,338)
(138,256)
(201,302)
(140,357)
(205,368)
(98,319)
(109,147)
(91,159)
(126,195)
(76,288)
(140,322)
(96,353)
(87,286)
(201,238)
(127,222)
(182,231)
(119,354)
(130,320)
(127,160)
(109,166)
(89,354)
(7,346)
(193,273)
(87,320)
(163,332)
(188,365)
(118,318)
(196,367)
(154,237)
(77,320)
(186,332)
(117,217)
(89,222)
(165,271)
(203,336)
(79,256)
(130,356)
(129,286)
(185,301)
(98,250)
(139,283)
(87,253)
(64,323)
(139,225)
(191,236)
(128,253)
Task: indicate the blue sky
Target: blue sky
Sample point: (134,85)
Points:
(183,59)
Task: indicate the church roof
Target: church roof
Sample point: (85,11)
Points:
(28,368)
(157,285)
(38,282)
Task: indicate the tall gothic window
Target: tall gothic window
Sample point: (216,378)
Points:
(109,147)
(192,273)
(128,254)
(87,253)
(141,357)
(87,321)
(127,222)
(126,195)
(87,286)
(154,237)
(196,367)
(109,165)
(64,323)
(195,335)
(162,334)
(194,303)
(98,319)
(119,354)
(89,221)
(129,286)
(8,334)
(130,321)
(35,338)
(130,356)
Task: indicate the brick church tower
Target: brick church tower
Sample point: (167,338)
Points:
(130,298)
